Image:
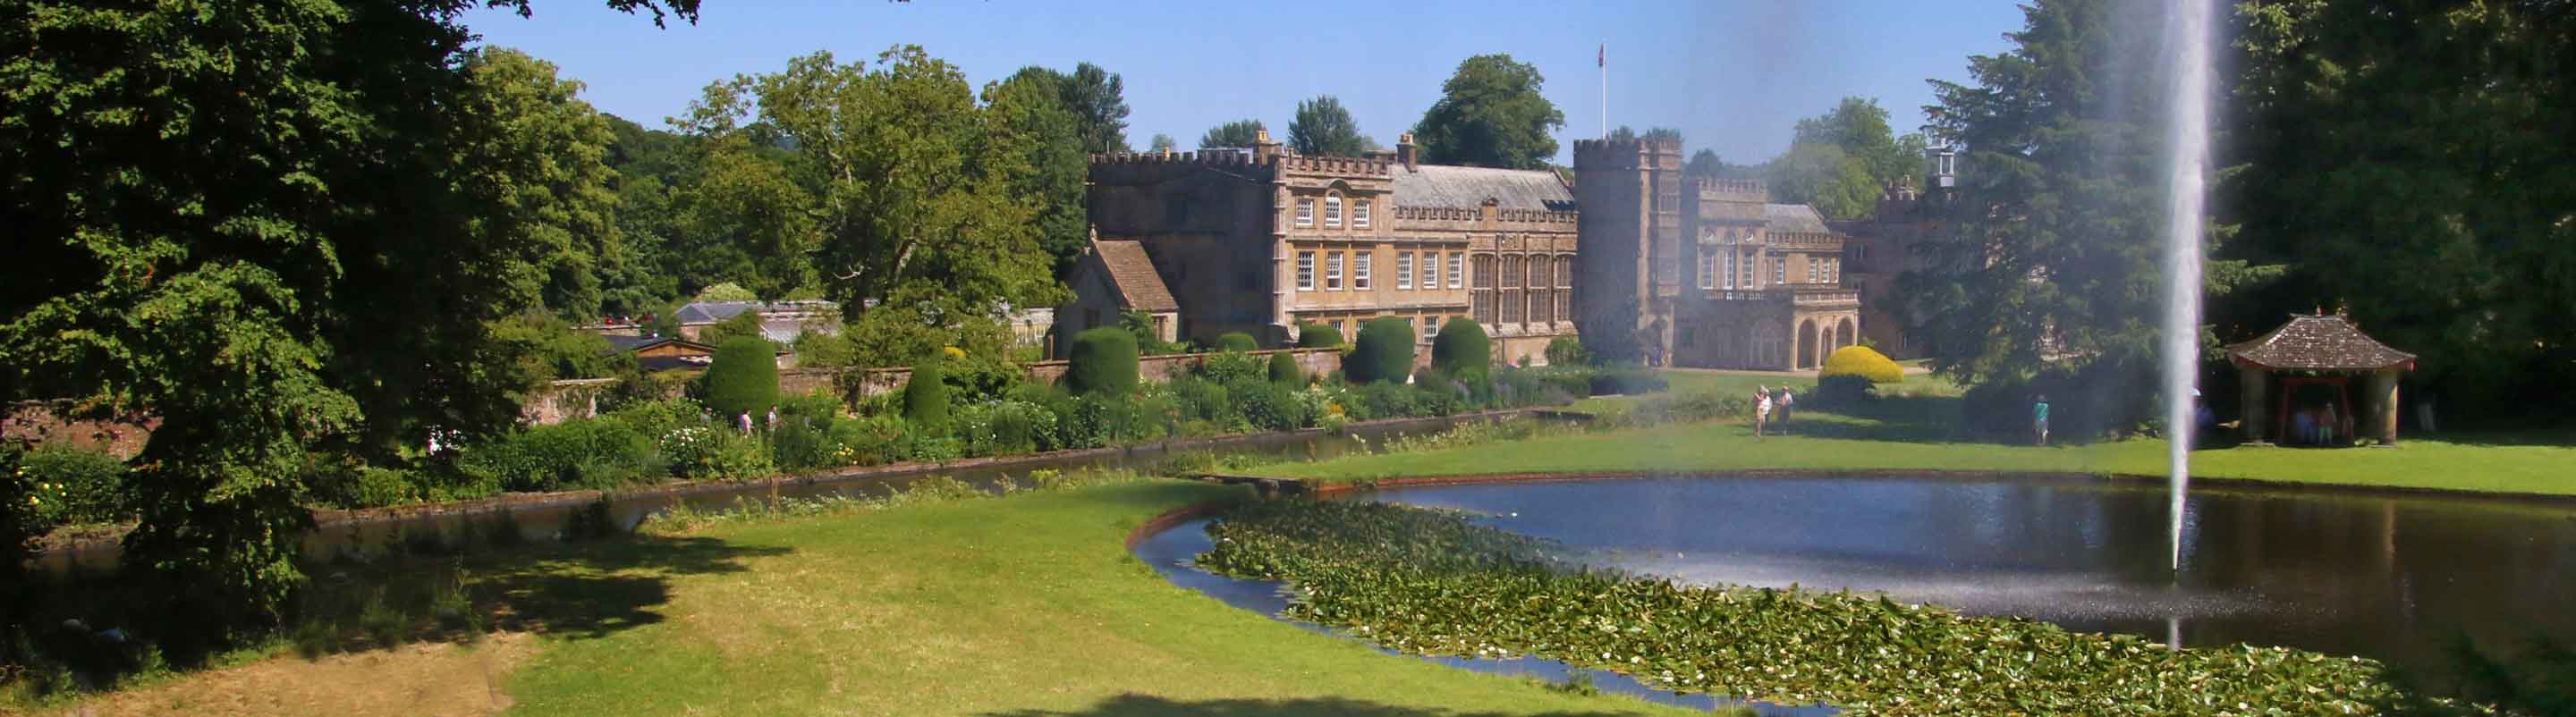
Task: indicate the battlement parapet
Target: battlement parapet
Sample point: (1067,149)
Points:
(1336,165)
(1641,153)
(1208,156)
(1740,190)
(1563,219)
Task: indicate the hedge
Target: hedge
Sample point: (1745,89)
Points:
(1462,348)
(1104,361)
(1284,369)
(1864,362)
(1311,335)
(743,379)
(1236,341)
(1383,353)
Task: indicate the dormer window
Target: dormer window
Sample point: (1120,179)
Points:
(1305,212)
(1360,214)
(1333,211)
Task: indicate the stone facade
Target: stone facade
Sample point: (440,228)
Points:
(1260,241)
(1706,272)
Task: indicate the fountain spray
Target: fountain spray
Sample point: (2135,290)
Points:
(2188,37)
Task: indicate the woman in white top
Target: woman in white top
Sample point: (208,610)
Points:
(1761,409)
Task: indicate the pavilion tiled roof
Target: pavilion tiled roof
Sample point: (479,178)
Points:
(2319,342)
(1455,187)
(1131,270)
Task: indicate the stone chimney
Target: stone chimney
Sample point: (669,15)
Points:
(1405,151)
(1262,147)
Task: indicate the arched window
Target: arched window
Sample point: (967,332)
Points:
(1333,211)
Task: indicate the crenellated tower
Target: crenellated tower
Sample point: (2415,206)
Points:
(1632,247)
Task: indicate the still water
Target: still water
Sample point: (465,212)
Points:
(2399,578)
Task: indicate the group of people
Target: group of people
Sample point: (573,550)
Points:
(2317,425)
(1771,409)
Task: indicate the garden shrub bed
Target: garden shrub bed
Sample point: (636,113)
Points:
(1433,582)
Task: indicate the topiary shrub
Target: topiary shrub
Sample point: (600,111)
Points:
(1384,351)
(1864,362)
(1311,335)
(1104,362)
(1233,341)
(1285,371)
(743,378)
(925,396)
(1462,348)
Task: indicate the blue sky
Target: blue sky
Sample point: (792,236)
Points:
(1734,76)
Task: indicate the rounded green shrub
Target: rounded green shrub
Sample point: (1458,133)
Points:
(1462,348)
(743,378)
(1864,362)
(1384,351)
(1104,362)
(1311,335)
(1284,369)
(1236,341)
(925,396)
(1567,351)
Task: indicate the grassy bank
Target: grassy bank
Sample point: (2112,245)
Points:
(1026,606)
(1920,432)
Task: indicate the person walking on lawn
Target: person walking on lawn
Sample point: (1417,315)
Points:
(1788,400)
(2039,418)
(1761,409)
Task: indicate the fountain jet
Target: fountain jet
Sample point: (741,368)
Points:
(2188,38)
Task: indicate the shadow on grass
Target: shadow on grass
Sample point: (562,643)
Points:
(1900,419)
(594,589)
(1150,706)
(94,634)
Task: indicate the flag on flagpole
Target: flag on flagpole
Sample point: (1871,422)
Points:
(1602,58)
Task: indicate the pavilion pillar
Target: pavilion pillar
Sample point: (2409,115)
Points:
(2383,397)
(2257,406)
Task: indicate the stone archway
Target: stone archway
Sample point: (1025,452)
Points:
(1806,345)
(1847,334)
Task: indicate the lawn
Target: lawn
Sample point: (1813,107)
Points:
(1919,432)
(1026,606)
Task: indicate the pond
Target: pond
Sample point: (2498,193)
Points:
(2402,578)
(2399,578)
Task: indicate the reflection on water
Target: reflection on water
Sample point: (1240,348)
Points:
(2396,578)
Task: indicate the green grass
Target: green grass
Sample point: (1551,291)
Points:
(1920,432)
(1026,605)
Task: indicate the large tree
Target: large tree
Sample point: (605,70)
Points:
(1323,128)
(1238,133)
(2051,257)
(1491,114)
(2411,161)
(912,189)
(564,183)
(274,259)
(1164,143)
(1096,99)
(1838,184)
(1057,166)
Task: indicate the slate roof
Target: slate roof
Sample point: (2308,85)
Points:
(639,343)
(708,312)
(2319,342)
(1793,218)
(1131,272)
(1440,185)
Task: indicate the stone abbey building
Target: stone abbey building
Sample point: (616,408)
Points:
(1261,241)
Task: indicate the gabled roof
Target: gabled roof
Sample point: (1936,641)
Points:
(1131,272)
(1453,187)
(1793,218)
(2319,342)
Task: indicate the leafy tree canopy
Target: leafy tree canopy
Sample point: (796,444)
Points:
(902,195)
(1323,128)
(1164,143)
(1491,114)
(301,255)
(1238,133)
(1039,110)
